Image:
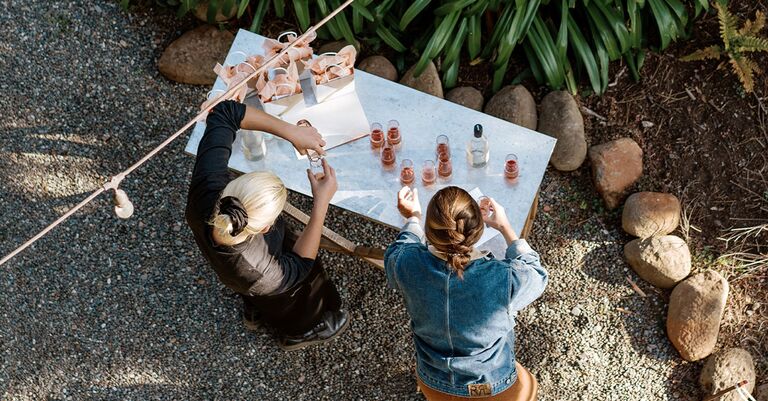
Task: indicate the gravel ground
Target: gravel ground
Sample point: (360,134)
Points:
(109,309)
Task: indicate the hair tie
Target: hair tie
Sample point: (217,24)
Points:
(233,208)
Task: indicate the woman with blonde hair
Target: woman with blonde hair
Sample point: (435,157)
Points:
(238,228)
(463,302)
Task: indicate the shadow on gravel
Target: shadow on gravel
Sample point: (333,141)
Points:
(47,140)
(642,317)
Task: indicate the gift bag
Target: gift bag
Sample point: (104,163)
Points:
(279,90)
(331,74)
(300,52)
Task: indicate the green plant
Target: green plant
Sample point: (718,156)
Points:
(561,39)
(736,44)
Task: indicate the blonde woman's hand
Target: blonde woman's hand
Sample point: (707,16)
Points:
(324,187)
(306,138)
(408,202)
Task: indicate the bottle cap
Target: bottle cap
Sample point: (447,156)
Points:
(478,130)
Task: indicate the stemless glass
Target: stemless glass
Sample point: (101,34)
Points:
(485,206)
(377,135)
(252,144)
(444,168)
(511,169)
(443,149)
(388,154)
(428,174)
(406,172)
(316,164)
(393,132)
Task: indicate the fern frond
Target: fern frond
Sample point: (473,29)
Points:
(743,68)
(753,27)
(711,52)
(752,44)
(728,23)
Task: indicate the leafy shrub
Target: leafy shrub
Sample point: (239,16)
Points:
(736,44)
(561,39)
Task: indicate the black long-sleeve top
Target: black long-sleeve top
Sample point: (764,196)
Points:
(259,265)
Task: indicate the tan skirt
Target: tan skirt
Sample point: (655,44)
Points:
(525,389)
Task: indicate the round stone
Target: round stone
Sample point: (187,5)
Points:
(696,308)
(466,96)
(561,118)
(661,261)
(515,104)
(649,214)
(428,82)
(379,66)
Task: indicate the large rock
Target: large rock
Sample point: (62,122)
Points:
(661,261)
(190,58)
(695,309)
(332,47)
(428,81)
(726,368)
(201,12)
(761,394)
(616,165)
(466,96)
(379,65)
(515,104)
(560,117)
(650,213)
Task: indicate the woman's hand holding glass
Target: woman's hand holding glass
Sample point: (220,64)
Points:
(497,218)
(325,187)
(408,202)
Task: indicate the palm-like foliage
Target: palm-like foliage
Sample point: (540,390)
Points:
(561,39)
(736,43)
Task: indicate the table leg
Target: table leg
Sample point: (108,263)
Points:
(334,242)
(528,227)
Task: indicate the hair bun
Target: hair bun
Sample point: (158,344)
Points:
(233,208)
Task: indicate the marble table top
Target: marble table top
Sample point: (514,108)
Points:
(370,190)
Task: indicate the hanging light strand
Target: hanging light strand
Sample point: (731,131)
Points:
(123,205)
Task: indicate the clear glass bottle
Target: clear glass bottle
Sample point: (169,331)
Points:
(477,148)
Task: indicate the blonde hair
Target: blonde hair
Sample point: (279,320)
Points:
(453,225)
(262,196)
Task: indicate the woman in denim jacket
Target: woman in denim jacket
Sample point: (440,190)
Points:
(463,302)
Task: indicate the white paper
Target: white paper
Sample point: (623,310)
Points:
(338,120)
(489,233)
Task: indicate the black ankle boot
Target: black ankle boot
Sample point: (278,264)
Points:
(333,324)
(251,317)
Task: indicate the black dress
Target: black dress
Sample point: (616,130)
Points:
(290,291)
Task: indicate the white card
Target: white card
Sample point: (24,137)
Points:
(338,120)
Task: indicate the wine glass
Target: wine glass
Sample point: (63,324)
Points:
(406,172)
(388,154)
(511,168)
(443,149)
(444,168)
(393,132)
(316,164)
(377,135)
(485,206)
(428,173)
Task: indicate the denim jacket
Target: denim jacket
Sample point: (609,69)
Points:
(463,329)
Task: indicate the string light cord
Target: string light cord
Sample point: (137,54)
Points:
(123,206)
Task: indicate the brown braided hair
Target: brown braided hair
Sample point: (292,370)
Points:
(453,225)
